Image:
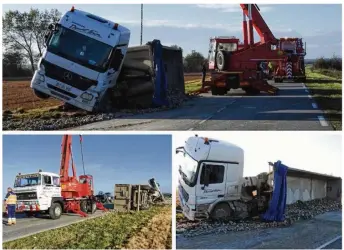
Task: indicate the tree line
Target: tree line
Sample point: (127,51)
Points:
(23,39)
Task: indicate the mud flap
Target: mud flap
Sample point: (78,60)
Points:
(277,206)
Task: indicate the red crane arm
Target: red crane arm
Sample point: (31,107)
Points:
(259,24)
(66,156)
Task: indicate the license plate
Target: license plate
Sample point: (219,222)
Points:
(63,86)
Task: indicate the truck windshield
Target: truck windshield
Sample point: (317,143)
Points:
(27,180)
(188,168)
(80,49)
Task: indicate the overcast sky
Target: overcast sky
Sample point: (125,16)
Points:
(190,26)
(313,151)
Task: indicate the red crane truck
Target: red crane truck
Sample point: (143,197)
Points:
(53,194)
(236,65)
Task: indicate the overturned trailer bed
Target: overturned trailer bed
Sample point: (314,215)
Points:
(151,75)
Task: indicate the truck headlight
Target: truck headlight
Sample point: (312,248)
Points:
(86,96)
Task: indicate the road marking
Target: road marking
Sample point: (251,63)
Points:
(221,109)
(306,90)
(206,119)
(190,129)
(322,121)
(309,97)
(315,106)
(330,242)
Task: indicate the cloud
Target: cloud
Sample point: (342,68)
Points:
(232,7)
(180,24)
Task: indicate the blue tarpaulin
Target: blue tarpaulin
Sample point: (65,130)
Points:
(160,90)
(276,211)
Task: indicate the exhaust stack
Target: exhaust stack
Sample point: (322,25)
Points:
(244,27)
(250,25)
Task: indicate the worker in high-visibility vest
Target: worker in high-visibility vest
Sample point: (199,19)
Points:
(11,201)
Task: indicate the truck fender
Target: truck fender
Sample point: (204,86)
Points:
(213,205)
(58,200)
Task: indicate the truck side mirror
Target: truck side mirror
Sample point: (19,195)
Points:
(206,175)
(179,150)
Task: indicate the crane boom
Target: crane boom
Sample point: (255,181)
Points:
(66,156)
(258,23)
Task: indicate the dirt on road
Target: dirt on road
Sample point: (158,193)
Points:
(304,234)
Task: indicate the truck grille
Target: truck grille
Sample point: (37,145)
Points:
(27,196)
(184,194)
(73,79)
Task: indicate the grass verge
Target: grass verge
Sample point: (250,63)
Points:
(109,231)
(327,92)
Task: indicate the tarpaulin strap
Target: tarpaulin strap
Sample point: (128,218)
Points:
(160,90)
(276,211)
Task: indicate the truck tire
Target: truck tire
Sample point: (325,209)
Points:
(220,60)
(251,91)
(214,90)
(55,211)
(83,206)
(221,211)
(92,207)
(40,94)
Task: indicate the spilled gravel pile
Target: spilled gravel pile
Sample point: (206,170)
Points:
(294,212)
(66,120)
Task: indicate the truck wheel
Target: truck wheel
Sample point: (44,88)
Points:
(40,94)
(83,206)
(251,91)
(92,207)
(214,90)
(55,211)
(222,91)
(221,211)
(220,60)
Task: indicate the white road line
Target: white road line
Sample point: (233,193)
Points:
(315,106)
(322,121)
(309,96)
(221,109)
(205,119)
(306,90)
(329,242)
(190,129)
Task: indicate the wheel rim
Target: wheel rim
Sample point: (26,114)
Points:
(57,211)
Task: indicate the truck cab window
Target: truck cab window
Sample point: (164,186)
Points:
(216,174)
(47,180)
(56,181)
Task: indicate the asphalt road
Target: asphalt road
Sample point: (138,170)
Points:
(292,109)
(310,234)
(28,226)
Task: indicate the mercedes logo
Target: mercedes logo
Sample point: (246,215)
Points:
(67,75)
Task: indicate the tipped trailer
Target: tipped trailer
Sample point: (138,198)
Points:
(211,183)
(87,64)
(137,197)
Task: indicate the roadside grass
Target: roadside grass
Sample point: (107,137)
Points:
(327,92)
(110,231)
(194,85)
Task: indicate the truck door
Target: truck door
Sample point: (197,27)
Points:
(217,182)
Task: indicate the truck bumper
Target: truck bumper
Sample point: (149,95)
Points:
(28,206)
(66,94)
(188,212)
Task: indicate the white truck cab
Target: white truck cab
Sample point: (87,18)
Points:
(37,192)
(210,172)
(83,58)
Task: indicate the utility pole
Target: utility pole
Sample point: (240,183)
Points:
(141,24)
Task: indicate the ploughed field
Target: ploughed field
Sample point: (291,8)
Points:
(17,95)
